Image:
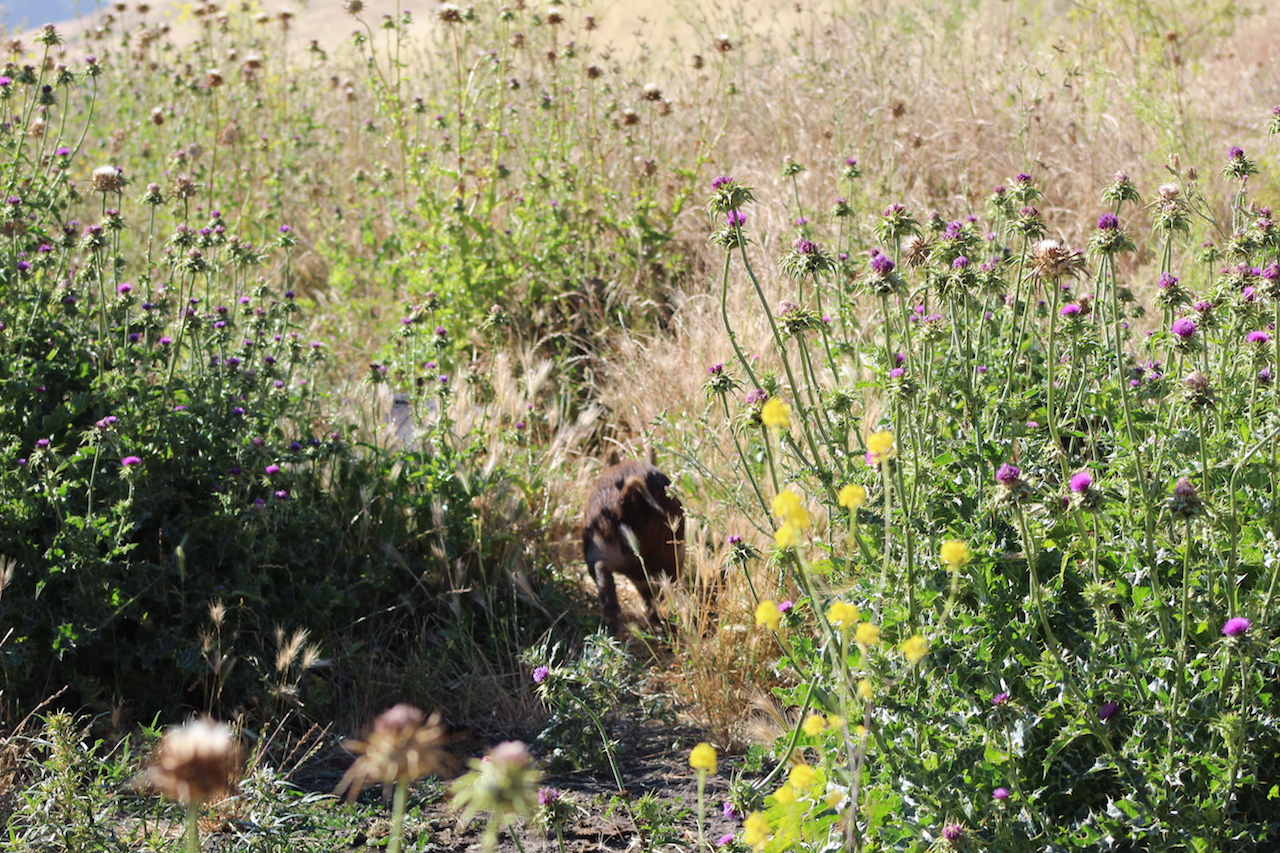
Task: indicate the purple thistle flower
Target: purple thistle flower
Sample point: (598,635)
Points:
(785,606)
(725,840)
(1070,310)
(721,182)
(1166,281)
(960,263)
(1022,178)
(756,397)
(1235,626)
(882,264)
(540,674)
(272,469)
(42,443)
(1108,710)
(547,796)
(1184,328)
(1235,152)
(999,699)
(282,494)
(736,218)
(1108,222)
(1183,488)
(716,369)
(730,813)
(851,161)
(1081,481)
(897,373)
(130,461)
(1258,337)
(1008,474)
(1000,793)
(953,832)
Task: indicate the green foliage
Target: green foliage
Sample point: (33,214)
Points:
(1095,640)
(602,685)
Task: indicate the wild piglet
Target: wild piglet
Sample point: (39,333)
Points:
(633,528)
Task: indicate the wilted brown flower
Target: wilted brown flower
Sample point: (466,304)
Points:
(107,179)
(196,763)
(1053,260)
(403,746)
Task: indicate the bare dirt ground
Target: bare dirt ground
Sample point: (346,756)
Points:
(653,760)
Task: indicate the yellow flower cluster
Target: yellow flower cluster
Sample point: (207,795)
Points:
(955,554)
(776,414)
(880,447)
(703,758)
(789,508)
(814,725)
(867,634)
(756,831)
(914,648)
(842,614)
(768,614)
(802,777)
(852,496)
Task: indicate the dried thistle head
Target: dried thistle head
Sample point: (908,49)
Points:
(107,179)
(403,745)
(196,763)
(1053,260)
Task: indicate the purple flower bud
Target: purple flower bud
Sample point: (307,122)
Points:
(1166,281)
(721,182)
(1000,793)
(1235,152)
(1108,710)
(785,606)
(736,218)
(960,263)
(882,264)
(130,461)
(1070,310)
(1108,222)
(1081,481)
(1184,328)
(1008,474)
(540,674)
(1235,626)
(999,699)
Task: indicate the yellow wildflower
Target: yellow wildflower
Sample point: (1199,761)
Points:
(852,496)
(860,731)
(776,413)
(813,725)
(842,614)
(868,634)
(756,830)
(703,758)
(880,447)
(768,614)
(835,722)
(801,777)
(865,690)
(789,507)
(787,536)
(786,795)
(955,554)
(915,648)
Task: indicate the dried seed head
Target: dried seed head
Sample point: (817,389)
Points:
(403,746)
(723,44)
(1053,260)
(449,14)
(651,92)
(630,117)
(196,763)
(108,179)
